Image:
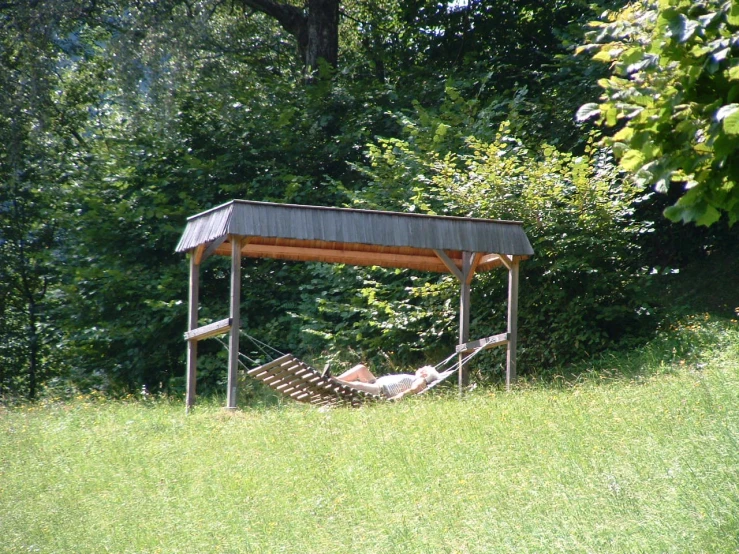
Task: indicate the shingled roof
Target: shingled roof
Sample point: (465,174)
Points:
(352,236)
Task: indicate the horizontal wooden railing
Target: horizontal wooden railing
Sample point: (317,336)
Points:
(211,330)
(487,342)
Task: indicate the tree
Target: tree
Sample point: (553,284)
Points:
(315,27)
(31,155)
(673,99)
(25,242)
(585,283)
(132,115)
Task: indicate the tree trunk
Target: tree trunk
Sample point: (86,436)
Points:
(323,33)
(316,27)
(33,346)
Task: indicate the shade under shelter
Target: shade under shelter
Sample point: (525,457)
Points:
(457,245)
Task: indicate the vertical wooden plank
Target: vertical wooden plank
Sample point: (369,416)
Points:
(233,342)
(464,318)
(512,322)
(192,323)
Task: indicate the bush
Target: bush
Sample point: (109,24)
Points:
(582,290)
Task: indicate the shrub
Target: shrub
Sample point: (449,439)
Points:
(581,291)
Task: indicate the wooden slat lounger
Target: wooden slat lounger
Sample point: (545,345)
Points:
(290,376)
(296,379)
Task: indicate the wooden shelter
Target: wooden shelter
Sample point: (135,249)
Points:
(456,245)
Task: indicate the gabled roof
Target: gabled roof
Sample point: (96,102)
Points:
(351,236)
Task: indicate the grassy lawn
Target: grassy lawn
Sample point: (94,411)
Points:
(646,460)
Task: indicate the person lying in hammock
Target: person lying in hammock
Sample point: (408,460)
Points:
(393,387)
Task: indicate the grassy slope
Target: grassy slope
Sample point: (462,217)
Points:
(646,463)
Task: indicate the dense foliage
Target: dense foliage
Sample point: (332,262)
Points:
(575,208)
(674,99)
(120,118)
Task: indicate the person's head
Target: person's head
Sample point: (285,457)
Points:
(428,373)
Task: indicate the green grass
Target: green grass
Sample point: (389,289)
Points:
(642,456)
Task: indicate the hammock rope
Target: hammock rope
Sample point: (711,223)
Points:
(261,345)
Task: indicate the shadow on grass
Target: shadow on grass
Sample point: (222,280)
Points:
(689,343)
(698,310)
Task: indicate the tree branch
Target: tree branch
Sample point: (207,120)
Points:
(290,17)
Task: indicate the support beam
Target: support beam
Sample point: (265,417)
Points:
(345,255)
(464,318)
(470,261)
(512,322)
(476,257)
(451,266)
(233,342)
(207,331)
(197,254)
(192,323)
(211,248)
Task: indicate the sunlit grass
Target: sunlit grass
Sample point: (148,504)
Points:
(643,463)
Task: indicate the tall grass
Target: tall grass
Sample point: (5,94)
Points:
(647,462)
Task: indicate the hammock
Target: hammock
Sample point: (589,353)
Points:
(294,378)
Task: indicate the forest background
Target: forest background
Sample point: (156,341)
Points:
(601,126)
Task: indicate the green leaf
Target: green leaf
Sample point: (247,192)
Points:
(611,116)
(441,132)
(731,123)
(710,216)
(700,50)
(667,16)
(632,56)
(624,135)
(673,213)
(724,146)
(632,160)
(587,111)
(681,28)
(725,111)
(690,207)
(733,16)
(721,55)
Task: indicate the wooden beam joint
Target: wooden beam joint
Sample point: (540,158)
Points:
(508,262)
(450,265)
(206,252)
(474,262)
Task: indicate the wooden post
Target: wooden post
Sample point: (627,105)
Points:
(464,318)
(233,342)
(512,322)
(192,323)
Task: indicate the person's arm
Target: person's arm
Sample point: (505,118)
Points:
(417,386)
